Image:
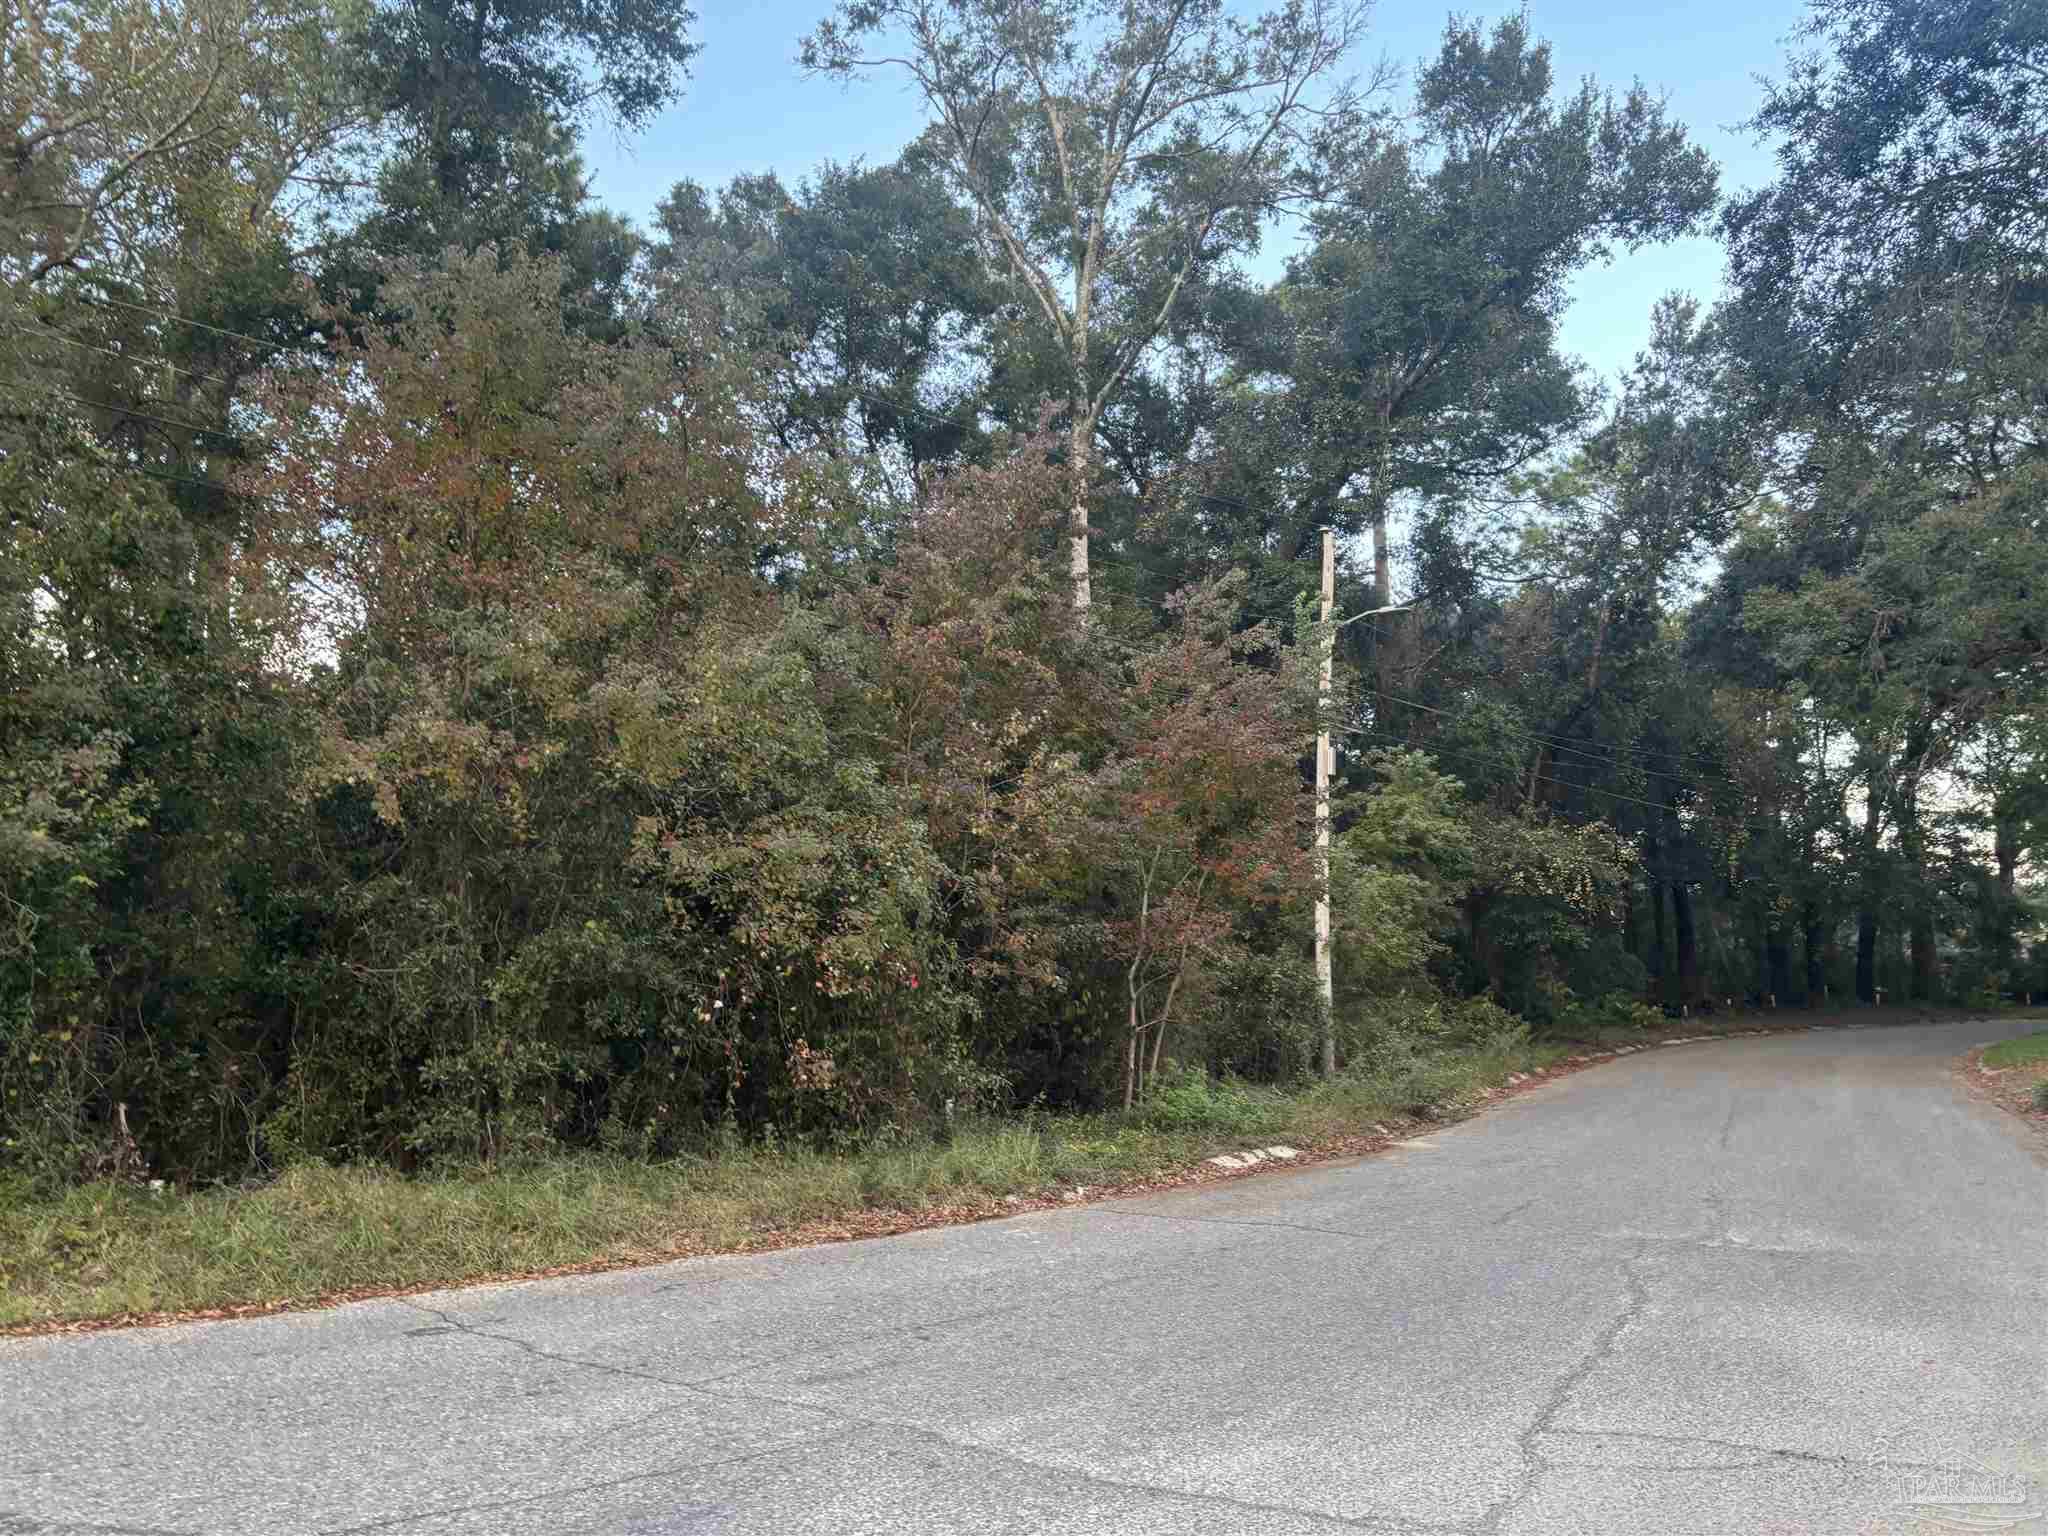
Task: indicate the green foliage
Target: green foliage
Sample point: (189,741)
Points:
(2015,1053)
(1403,1028)
(1616,1012)
(1190,1100)
(474,684)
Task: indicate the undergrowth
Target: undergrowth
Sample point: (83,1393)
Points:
(110,1249)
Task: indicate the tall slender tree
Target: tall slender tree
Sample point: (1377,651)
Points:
(1114,150)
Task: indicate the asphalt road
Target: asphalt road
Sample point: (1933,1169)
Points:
(1753,1287)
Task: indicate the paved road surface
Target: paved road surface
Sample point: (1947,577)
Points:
(1765,1286)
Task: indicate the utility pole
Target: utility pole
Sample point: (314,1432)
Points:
(1326,768)
(1325,994)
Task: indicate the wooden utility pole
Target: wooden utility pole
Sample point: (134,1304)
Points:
(1326,770)
(1325,766)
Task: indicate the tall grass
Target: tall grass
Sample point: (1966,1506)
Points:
(103,1250)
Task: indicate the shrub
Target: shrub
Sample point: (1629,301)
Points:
(1188,1099)
(1615,1011)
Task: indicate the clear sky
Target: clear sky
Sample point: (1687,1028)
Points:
(748,108)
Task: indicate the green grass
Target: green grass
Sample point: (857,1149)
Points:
(103,1250)
(2024,1051)
(106,1251)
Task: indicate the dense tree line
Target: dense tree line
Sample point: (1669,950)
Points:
(480,676)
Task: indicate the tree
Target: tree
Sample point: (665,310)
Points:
(1199,816)
(116,113)
(1909,134)
(856,295)
(1890,314)
(1421,322)
(156,158)
(483,98)
(978,702)
(1113,153)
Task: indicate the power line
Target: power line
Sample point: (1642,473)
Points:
(1749,818)
(128,410)
(1555,740)
(201,325)
(1471,757)
(194,481)
(1589,757)
(44,333)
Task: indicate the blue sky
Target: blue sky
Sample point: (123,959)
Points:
(749,108)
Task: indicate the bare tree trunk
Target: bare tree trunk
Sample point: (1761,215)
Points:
(1688,944)
(1081,455)
(1599,647)
(1131,1060)
(1384,649)
(1653,889)
(1925,958)
(1867,900)
(1131,984)
(1165,1013)
(1816,963)
(1923,966)
(1535,776)
(1326,996)
(1866,952)
(1777,960)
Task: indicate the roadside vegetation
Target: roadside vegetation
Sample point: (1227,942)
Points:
(528,735)
(2026,1051)
(2014,1073)
(135,1252)
(108,1250)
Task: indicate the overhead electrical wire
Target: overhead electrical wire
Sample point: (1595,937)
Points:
(44,333)
(1750,818)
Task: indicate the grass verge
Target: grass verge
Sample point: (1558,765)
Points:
(2013,1074)
(108,1254)
(2027,1050)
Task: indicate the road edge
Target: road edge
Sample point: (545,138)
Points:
(884,1222)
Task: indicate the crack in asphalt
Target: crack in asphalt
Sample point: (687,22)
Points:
(894,1426)
(844,1342)
(1717,1208)
(1635,1298)
(1227,1221)
(1509,1215)
(1774,1453)
(1156,1490)
(470,1331)
(1535,1460)
(1728,1125)
(485,1505)
(853,1341)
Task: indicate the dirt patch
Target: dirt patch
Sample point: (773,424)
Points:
(2010,1088)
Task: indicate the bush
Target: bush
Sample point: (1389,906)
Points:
(2041,1097)
(1187,1099)
(1615,1011)
(1392,1031)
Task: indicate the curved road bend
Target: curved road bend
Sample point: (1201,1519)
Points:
(1766,1286)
